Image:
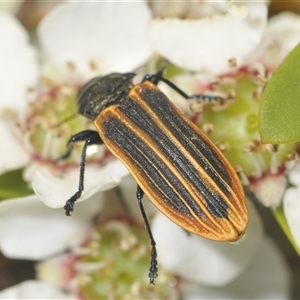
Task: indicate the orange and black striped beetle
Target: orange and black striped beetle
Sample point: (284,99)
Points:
(181,171)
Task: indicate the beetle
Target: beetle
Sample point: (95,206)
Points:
(173,162)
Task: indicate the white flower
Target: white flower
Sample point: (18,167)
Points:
(96,32)
(207,262)
(282,34)
(275,39)
(226,267)
(215,269)
(267,277)
(31,230)
(18,72)
(207,269)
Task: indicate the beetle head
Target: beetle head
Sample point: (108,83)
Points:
(101,92)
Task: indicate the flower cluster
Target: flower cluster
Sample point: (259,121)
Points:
(220,48)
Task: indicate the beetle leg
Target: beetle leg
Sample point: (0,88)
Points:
(90,137)
(155,78)
(78,137)
(153,263)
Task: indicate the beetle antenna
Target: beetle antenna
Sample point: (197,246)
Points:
(67,119)
(162,69)
(158,76)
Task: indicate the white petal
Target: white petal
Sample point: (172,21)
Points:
(12,154)
(31,230)
(208,43)
(269,189)
(128,188)
(294,175)
(283,30)
(203,261)
(110,34)
(54,191)
(291,206)
(58,270)
(18,61)
(267,277)
(34,289)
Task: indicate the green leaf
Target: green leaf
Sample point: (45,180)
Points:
(12,185)
(279,113)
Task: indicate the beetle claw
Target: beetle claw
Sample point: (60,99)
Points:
(69,207)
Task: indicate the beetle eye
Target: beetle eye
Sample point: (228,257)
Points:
(108,89)
(105,88)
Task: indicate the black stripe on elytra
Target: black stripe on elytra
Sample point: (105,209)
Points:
(149,166)
(194,144)
(160,105)
(142,119)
